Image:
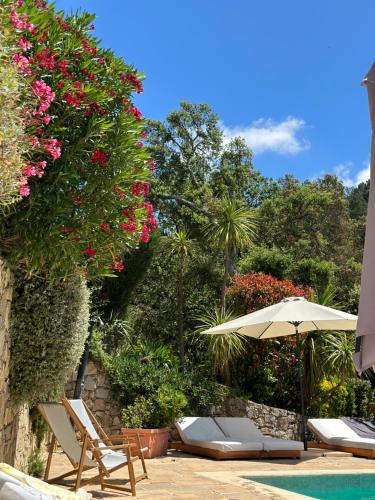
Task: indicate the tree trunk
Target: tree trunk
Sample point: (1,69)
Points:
(80,382)
(225,279)
(180,310)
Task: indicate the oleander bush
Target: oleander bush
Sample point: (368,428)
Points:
(86,173)
(49,325)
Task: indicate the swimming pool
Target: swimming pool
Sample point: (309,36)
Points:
(325,486)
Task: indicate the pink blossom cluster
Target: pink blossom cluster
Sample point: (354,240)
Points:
(21,22)
(34,169)
(45,95)
(141,188)
(99,157)
(22,63)
(24,44)
(53,147)
(45,59)
(118,265)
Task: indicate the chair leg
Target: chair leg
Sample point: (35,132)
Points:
(51,449)
(81,464)
(131,473)
(141,456)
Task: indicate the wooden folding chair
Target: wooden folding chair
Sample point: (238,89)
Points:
(84,454)
(86,419)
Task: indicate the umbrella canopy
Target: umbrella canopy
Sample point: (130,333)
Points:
(365,355)
(291,316)
(280,319)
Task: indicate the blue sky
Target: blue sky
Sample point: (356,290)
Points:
(284,74)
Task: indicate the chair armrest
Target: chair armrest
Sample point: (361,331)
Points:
(115,447)
(120,436)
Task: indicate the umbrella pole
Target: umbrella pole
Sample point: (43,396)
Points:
(301,386)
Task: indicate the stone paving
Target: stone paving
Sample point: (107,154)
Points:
(182,476)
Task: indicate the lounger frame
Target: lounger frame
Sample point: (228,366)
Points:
(358,452)
(238,454)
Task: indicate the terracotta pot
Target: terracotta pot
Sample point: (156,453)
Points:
(156,440)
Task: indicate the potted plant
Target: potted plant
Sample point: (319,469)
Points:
(152,416)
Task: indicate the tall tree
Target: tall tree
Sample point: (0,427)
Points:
(184,149)
(181,247)
(231,229)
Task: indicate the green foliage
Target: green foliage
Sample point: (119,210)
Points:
(363,396)
(358,199)
(158,411)
(336,399)
(223,349)
(332,400)
(35,465)
(12,134)
(39,426)
(309,220)
(49,324)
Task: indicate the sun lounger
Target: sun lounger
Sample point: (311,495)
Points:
(229,438)
(84,453)
(335,434)
(243,428)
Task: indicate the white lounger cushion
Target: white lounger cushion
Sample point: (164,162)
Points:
(228,445)
(330,430)
(358,442)
(198,429)
(273,444)
(241,428)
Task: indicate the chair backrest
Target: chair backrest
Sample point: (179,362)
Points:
(81,412)
(199,429)
(241,428)
(58,420)
(328,428)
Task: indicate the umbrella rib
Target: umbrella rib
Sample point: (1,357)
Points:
(316,326)
(264,331)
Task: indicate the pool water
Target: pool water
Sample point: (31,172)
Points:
(325,486)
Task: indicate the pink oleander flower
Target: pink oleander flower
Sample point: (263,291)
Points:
(21,22)
(45,59)
(105,227)
(45,95)
(53,147)
(140,188)
(24,44)
(22,63)
(89,251)
(135,112)
(99,156)
(24,191)
(129,226)
(145,234)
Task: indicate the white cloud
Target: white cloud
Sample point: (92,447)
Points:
(344,171)
(267,135)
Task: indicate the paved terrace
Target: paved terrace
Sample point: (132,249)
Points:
(182,476)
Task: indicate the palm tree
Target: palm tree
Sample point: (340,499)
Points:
(232,228)
(181,247)
(327,354)
(223,349)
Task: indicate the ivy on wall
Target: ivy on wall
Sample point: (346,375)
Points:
(49,325)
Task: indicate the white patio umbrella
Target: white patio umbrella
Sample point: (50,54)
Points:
(291,316)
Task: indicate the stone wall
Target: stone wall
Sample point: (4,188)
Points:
(16,439)
(96,394)
(273,422)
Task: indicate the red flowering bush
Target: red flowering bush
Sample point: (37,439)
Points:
(255,291)
(86,174)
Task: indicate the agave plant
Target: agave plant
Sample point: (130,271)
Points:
(223,349)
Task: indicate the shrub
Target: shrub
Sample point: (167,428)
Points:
(49,323)
(12,135)
(87,173)
(363,396)
(157,411)
(35,465)
(254,291)
(332,400)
